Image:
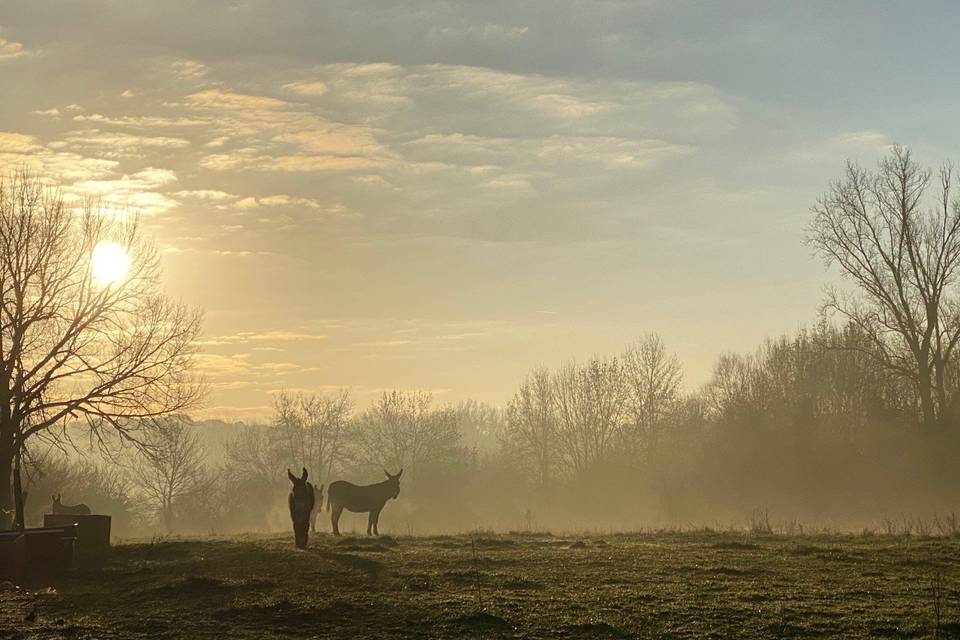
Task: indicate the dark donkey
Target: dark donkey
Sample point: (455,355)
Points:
(366,499)
(301,502)
(75,510)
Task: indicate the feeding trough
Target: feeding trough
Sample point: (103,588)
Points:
(38,553)
(93,531)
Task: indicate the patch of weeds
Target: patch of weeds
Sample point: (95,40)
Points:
(521,584)
(375,548)
(735,545)
(733,571)
(596,630)
(381,541)
(485,621)
(418,584)
(494,543)
(461,577)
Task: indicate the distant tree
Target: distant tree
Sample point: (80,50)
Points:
(75,346)
(531,426)
(169,468)
(253,455)
(480,424)
(312,430)
(590,403)
(652,377)
(402,431)
(901,252)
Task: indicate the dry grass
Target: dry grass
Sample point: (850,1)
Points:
(679,585)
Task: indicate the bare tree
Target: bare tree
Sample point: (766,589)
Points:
(75,346)
(531,425)
(253,455)
(169,468)
(402,431)
(652,377)
(313,430)
(901,253)
(480,424)
(589,401)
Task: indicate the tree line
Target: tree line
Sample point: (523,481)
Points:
(851,418)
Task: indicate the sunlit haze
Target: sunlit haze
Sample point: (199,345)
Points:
(109,262)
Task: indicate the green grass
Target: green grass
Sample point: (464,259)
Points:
(683,585)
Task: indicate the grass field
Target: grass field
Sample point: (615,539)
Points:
(678,585)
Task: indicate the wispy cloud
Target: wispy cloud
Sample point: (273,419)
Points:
(10,50)
(306,88)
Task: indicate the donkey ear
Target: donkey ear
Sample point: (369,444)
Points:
(400,473)
(388,474)
(304,476)
(292,477)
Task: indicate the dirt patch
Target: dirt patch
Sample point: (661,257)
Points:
(596,630)
(735,545)
(380,541)
(374,548)
(485,621)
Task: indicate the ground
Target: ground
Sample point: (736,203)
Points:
(670,585)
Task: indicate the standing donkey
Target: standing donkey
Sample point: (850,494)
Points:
(301,501)
(361,499)
(76,510)
(317,506)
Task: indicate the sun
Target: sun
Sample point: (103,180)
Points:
(110,263)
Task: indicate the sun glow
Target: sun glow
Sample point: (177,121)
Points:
(110,263)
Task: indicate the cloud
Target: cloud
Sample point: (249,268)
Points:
(205,194)
(487,31)
(313,163)
(115,144)
(483,155)
(10,50)
(870,139)
(218,99)
(335,139)
(50,113)
(310,89)
(189,69)
(139,122)
(62,167)
(855,145)
(136,191)
(12,142)
(279,200)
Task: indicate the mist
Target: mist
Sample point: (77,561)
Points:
(802,434)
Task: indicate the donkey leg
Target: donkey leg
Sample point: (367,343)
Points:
(376,523)
(370,517)
(335,518)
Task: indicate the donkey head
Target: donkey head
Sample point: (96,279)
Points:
(393,482)
(301,503)
(56,501)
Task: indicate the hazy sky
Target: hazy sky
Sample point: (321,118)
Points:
(443,195)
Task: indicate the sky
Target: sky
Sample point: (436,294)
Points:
(444,195)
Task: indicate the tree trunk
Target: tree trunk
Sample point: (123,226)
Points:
(19,522)
(927,405)
(6,473)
